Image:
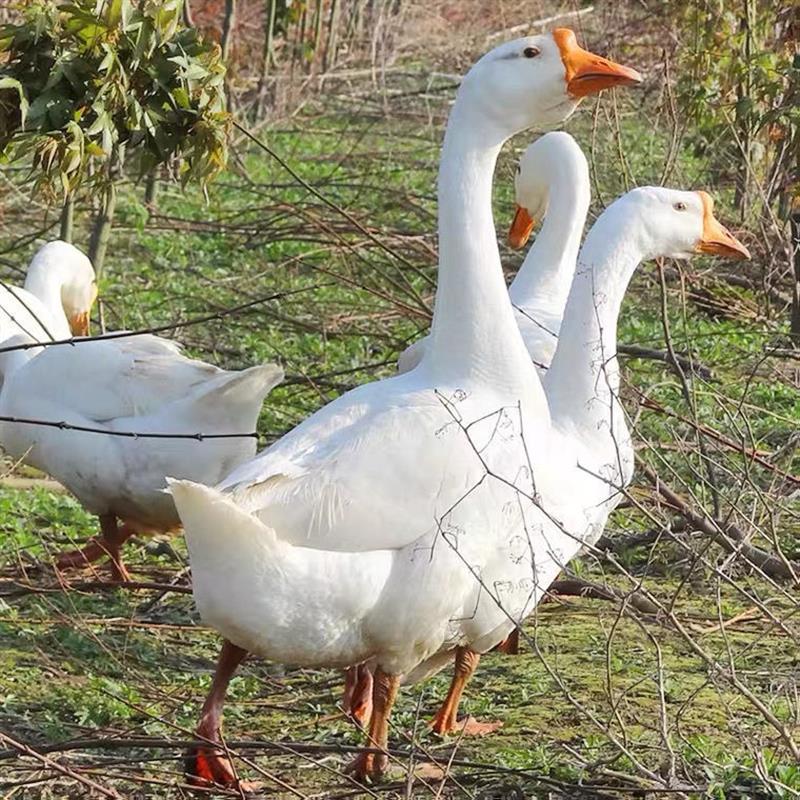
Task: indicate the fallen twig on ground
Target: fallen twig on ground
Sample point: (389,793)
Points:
(728,535)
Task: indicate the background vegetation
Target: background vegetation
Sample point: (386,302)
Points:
(685,681)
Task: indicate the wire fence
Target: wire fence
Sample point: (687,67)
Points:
(663,661)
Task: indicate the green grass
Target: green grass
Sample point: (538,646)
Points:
(582,703)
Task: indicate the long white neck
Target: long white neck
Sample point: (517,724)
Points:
(45,281)
(582,383)
(474,334)
(545,277)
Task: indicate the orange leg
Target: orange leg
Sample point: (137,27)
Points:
(384,693)
(109,543)
(206,765)
(446,719)
(357,696)
(510,645)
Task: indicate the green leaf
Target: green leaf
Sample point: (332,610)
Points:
(114,12)
(108,139)
(98,125)
(108,59)
(12,83)
(181,97)
(148,123)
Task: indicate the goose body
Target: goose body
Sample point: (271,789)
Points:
(282,532)
(119,386)
(399,521)
(587,455)
(142,384)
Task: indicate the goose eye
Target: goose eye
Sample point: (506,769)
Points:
(530,52)
(680,206)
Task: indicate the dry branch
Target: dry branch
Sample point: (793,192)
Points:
(17,589)
(726,534)
(636,351)
(577,587)
(27,750)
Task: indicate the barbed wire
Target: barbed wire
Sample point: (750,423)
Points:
(172,326)
(67,426)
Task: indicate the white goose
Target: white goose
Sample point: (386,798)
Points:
(56,299)
(582,384)
(140,384)
(552,182)
(588,430)
(360,533)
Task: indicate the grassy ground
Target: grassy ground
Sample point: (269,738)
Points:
(601,702)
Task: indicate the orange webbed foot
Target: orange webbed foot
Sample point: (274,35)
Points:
(357,698)
(474,727)
(368,767)
(445,725)
(205,766)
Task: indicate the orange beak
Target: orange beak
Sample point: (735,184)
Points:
(717,240)
(587,73)
(79,324)
(521,228)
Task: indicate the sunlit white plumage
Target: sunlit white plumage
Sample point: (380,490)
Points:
(110,386)
(141,384)
(552,182)
(59,288)
(383,492)
(365,492)
(400,521)
(583,382)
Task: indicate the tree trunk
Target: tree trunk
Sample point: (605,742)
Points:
(330,49)
(102,229)
(300,49)
(67,214)
(794,221)
(318,14)
(267,56)
(227,28)
(744,95)
(151,191)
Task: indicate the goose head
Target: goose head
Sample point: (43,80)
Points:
(677,224)
(538,81)
(556,156)
(62,265)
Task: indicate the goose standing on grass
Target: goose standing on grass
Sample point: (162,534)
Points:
(57,297)
(372,528)
(141,384)
(588,427)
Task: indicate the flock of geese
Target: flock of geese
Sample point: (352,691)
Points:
(414,520)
